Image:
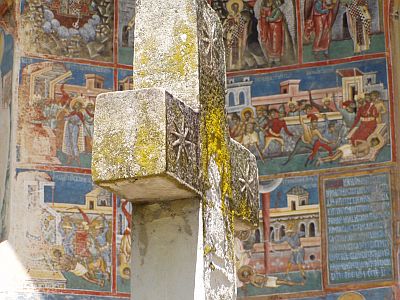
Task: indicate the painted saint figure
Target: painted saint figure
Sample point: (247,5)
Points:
(125,247)
(235,128)
(379,104)
(73,132)
(311,139)
(326,104)
(236,27)
(348,112)
(359,20)
(88,126)
(320,22)
(292,112)
(272,30)
(250,136)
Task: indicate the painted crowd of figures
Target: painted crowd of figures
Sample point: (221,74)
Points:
(357,133)
(71,119)
(261,33)
(86,247)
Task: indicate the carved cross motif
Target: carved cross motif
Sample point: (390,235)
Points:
(182,141)
(247,181)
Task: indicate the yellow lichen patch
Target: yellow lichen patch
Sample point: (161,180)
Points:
(179,61)
(146,148)
(243,212)
(143,60)
(214,137)
(111,151)
(182,59)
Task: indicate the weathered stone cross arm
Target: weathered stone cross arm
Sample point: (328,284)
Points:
(165,147)
(148,149)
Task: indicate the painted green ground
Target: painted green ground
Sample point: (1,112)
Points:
(123,285)
(85,159)
(125,55)
(342,49)
(274,165)
(312,283)
(75,282)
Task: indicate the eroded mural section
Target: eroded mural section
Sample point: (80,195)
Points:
(66,241)
(6,88)
(72,28)
(56,111)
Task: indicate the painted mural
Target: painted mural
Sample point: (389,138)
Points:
(6,85)
(71,28)
(371,294)
(55,296)
(336,29)
(308,93)
(56,111)
(125,80)
(66,243)
(126,26)
(258,34)
(284,254)
(124,225)
(321,117)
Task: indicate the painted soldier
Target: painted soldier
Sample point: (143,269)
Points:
(273,130)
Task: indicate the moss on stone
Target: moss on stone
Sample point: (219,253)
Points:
(148,145)
(112,150)
(182,58)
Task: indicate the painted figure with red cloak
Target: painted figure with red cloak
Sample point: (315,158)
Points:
(277,30)
(272,30)
(365,122)
(319,21)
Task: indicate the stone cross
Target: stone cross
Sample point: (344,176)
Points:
(165,147)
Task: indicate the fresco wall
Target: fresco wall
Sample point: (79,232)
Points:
(70,236)
(310,93)
(7,49)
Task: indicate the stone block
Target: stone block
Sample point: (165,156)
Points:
(245,197)
(141,155)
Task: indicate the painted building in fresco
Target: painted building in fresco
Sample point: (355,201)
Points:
(328,229)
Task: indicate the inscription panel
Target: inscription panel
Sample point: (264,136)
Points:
(359,233)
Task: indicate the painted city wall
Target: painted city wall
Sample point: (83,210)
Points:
(309,92)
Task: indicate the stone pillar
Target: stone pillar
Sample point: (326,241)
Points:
(165,147)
